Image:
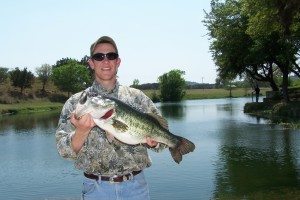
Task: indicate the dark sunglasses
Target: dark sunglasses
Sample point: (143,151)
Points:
(109,56)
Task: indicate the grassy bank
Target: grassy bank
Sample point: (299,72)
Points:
(213,93)
(286,114)
(31,106)
(31,101)
(278,113)
(35,104)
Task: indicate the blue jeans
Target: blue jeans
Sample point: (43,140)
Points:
(135,189)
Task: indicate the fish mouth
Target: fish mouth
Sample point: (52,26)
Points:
(108,114)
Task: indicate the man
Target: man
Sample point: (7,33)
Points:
(112,170)
(257,91)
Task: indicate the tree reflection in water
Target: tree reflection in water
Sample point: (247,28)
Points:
(173,110)
(252,161)
(22,122)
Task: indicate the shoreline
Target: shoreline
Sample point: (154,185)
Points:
(278,113)
(44,104)
(275,112)
(29,108)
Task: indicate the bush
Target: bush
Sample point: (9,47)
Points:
(155,97)
(172,86)
(254,107)
(7,100)
(291,109)
(58,98)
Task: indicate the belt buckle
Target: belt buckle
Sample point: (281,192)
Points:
(111,179)
(128,177)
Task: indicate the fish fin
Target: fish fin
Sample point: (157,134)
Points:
(183,147)
(162,121)
(119,125)
(109,137)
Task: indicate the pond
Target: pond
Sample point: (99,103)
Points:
(236,157)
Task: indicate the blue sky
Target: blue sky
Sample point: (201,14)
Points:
(153,37)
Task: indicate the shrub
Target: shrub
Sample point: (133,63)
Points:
(58,98)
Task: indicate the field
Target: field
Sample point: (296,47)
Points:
(213,93)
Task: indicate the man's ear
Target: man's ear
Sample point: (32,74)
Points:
(118,62)
(91,63)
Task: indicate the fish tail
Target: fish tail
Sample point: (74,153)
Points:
(183,146)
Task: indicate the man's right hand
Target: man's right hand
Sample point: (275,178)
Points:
(83,123)
(83,127)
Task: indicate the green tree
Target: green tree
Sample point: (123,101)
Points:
(232,47)
(71,77)
(44,72)
(279,18)
(22,79)
(135,83)
(172,85)
(84,62)
(64,61)
(255,38)
(3,74)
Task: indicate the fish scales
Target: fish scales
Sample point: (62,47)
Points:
(143,124)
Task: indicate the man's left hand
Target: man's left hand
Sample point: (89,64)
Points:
(151,142)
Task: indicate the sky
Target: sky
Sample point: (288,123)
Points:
(153,37)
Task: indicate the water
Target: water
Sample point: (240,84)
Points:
(236,156)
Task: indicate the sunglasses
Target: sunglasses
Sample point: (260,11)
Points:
(101,56)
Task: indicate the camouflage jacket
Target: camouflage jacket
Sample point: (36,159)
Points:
(98,155)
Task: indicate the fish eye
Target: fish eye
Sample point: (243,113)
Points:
(83,98)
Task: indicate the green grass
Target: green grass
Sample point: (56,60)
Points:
(212,93)
(31,106)
(215,93)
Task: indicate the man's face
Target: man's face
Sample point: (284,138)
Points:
(105,70)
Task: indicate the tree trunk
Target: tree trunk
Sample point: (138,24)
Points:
(43,89)
(273,85)
(285,77)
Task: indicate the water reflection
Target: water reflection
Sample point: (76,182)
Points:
(173,110)
(252,161)
(22,122)
(225,107)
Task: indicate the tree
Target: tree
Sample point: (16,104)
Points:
(64,61)
(71,77)
(250,37)
(3,74)
(232,47)
(84,62)
(172,85)
(282,19)
(22,79)
(135,83)
(44,72)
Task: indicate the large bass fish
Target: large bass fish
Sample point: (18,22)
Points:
(131,126)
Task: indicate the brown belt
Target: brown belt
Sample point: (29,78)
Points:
(113,178)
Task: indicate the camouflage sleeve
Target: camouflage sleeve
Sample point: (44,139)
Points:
(64,132)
